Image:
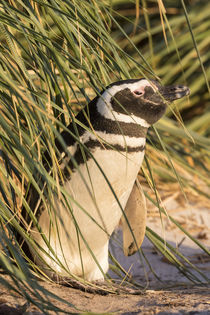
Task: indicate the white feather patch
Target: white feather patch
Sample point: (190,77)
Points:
(103,137)
(113,139)
(65,160)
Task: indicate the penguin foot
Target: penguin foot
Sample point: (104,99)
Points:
(96,287)
(113,287)
(79,285)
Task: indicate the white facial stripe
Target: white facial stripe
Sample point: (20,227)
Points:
(107,112)
(131,86)
(126,118)
(104,103)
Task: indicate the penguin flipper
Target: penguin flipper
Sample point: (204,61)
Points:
(135,213)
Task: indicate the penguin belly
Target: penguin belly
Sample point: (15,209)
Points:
(78,231)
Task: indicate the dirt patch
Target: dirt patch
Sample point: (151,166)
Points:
(191,300)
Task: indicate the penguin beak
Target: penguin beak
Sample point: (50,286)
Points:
(172,93)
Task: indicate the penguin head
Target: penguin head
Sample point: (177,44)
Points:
(141,98)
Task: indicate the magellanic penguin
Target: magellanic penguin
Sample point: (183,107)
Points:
(97,174)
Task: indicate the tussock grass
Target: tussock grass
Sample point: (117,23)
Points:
(54,57)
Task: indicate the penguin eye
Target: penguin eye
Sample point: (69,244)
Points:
(138,92)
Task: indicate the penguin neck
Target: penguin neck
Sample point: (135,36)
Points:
(103,119)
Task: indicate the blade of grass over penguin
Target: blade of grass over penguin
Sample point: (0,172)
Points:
(53,53)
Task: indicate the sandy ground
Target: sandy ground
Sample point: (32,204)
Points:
(191,301)
(171,294)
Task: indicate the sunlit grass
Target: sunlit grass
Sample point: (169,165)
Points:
(55,56)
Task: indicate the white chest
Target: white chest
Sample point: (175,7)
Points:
(99,190)
(87,217)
